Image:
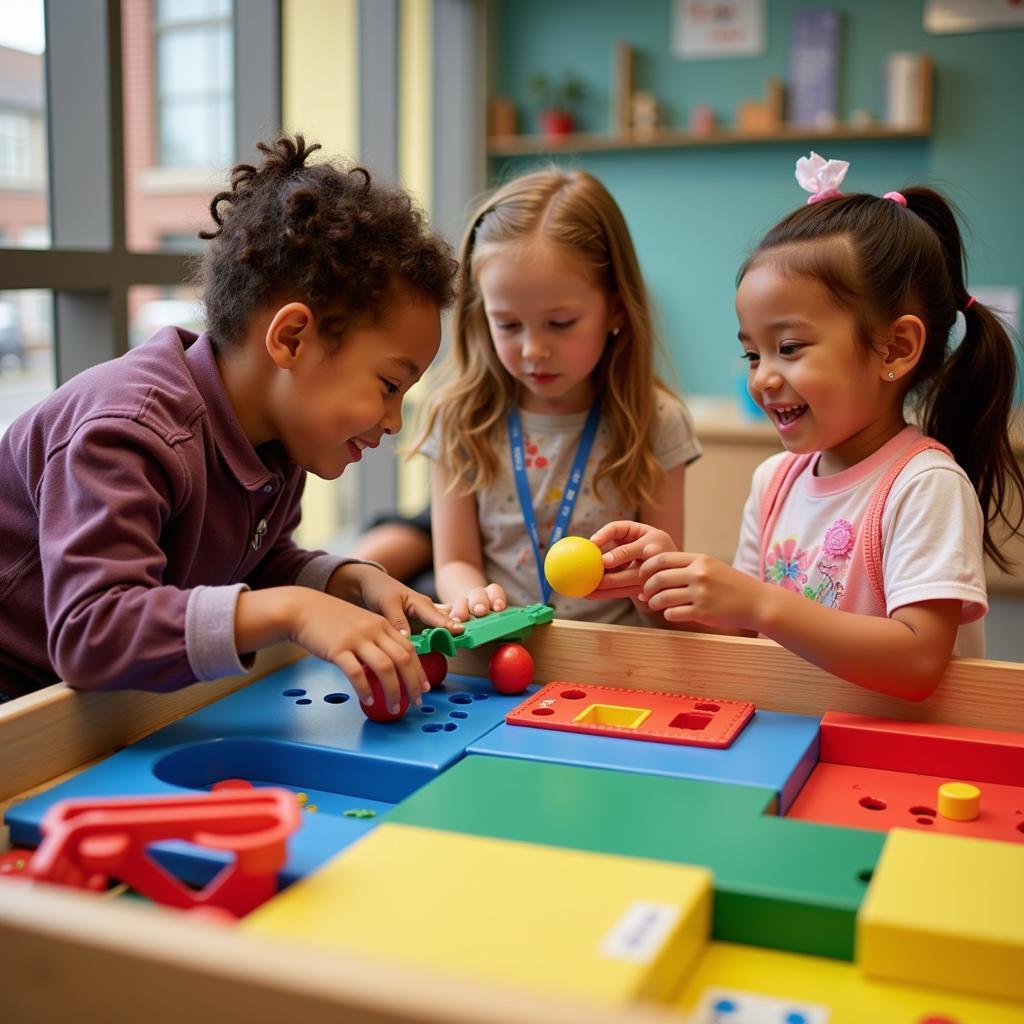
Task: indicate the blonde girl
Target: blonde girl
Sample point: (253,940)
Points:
(551,370)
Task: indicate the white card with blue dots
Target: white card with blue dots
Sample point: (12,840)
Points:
(730,1006)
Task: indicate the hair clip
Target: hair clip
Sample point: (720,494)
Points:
(821,177)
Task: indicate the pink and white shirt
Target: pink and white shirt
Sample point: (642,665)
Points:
(931,536)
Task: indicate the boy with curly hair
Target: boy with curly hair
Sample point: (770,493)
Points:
(149,503)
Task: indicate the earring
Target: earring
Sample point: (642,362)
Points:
(891,375)
(616,332)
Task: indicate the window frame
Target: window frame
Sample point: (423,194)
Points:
(88,268)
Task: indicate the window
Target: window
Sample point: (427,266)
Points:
(23,199)
(195,71)
(15,134)
(151,307)
(26,351)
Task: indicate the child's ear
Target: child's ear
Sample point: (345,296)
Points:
(902,348)
(291,327)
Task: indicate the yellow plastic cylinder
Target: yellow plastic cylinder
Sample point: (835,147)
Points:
(959,801)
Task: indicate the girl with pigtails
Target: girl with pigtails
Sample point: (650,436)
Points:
(891,388)
(148,505)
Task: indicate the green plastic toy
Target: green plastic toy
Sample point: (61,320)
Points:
(510,624)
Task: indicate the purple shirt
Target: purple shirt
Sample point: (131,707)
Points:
(133,511)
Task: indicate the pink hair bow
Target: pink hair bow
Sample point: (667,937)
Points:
(821,177)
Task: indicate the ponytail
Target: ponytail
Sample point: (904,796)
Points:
(966,402)
(967,406)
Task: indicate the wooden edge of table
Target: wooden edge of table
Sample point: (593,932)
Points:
(974,692)
(67,955)
(57,729)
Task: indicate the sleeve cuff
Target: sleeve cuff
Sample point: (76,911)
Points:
(210,633)
(317,571)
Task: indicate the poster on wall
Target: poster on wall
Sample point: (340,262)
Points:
(712,29)
(946,17)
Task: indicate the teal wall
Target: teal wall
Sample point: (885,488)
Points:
(696,212)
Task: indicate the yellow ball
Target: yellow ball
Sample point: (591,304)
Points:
(573,566)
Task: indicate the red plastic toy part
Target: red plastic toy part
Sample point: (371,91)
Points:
(88,842)
(435,666)
(377,709)
(510,669)
(634,714)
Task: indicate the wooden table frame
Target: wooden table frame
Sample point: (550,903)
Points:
(64,952)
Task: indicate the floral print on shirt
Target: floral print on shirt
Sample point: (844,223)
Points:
(787,564)
(820,579)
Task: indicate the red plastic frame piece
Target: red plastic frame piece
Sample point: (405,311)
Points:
(634,714)
(88,842)
(952,751)
(876,798)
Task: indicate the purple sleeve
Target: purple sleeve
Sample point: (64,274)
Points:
(113,624)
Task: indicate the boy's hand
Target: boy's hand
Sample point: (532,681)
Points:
(382,593)
(625,545)
(480,601)
(697,588)
(351,637)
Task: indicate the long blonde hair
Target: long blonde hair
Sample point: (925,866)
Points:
(575,211)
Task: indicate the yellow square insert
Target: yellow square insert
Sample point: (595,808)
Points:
(609,714)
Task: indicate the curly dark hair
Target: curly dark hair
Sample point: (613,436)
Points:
(320,234)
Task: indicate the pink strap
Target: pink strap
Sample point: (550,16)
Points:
(788,469)
(871,528)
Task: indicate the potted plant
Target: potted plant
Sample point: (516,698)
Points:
(557,98)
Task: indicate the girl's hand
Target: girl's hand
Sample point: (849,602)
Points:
(623,542)
(351,637)
(479,601)
(698,588)
(382,593)
(625,545)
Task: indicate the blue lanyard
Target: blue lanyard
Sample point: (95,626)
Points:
(572,485)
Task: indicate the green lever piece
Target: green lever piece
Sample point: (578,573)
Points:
(510,624)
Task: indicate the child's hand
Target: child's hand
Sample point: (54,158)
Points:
(479,601)
(697,588)
(351,637)
(625,545)
(396,602)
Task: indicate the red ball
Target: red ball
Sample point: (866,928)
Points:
(435,665)
(377,709)
(511,668)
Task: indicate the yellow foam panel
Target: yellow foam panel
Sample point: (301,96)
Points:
(948,911)
(746,975)
(579,924)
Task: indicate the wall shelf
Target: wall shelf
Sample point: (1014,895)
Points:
(584,142)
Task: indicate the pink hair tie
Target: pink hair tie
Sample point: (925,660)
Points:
(818,197)
(970,302)
(896,197)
